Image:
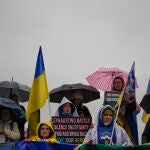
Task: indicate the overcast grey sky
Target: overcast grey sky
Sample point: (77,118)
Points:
(77,38)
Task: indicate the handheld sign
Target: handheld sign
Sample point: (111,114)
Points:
(71,129)
(111,97)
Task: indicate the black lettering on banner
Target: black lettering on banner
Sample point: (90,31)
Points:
(71,129)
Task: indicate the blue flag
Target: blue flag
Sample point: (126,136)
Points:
(131,118)
(127,112)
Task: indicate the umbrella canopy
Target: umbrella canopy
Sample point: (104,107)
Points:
(6,102)
(102,79)
(11,87)
(145,103)
(89,93)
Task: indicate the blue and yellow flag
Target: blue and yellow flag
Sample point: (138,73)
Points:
(127,108)
(39,92)
(146,116)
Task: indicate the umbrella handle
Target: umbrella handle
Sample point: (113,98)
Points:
(11,86)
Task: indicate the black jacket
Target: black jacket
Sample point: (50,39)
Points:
(146,133)
(83,111)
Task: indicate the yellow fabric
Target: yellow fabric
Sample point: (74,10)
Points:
(118,103)
(78,146)
(119,120)
(34,120)
(52,139)
(38,95)
(145,117)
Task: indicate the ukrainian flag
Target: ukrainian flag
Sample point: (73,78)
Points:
(39,92)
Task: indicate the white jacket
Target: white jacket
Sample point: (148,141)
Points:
(65,100)
(121,135)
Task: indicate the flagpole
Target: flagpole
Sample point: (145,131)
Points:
(121,96)
(11,86)
(114,124)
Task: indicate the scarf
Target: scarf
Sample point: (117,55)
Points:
(61,114)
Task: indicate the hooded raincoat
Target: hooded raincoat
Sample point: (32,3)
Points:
(102,134)
(50,139)
(73,109)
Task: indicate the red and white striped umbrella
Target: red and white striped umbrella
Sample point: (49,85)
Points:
(103,78)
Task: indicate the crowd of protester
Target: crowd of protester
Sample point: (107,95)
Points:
(105,130)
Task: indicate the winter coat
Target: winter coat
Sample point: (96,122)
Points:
(21,122)
(11,131)
(83,110)
(146,133)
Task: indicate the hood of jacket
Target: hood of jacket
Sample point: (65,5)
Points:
(51,138)
(73,108)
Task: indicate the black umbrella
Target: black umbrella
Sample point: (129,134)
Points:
(12,87)
(145,103)
(89,93)
(6,102)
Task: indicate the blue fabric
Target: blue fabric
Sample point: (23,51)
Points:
(22,145)
(40,64)
(131,117)
(7,146)
(61,114)
(103,131)
(131,79)
(132,122)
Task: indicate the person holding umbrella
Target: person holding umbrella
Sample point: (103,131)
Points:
(21,121)
(8,128)
(118,85)
(82,110)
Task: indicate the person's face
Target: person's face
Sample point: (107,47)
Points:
(77,101)
(66,108)
(44,131)
(15,98)
(118,85)
(107,116)
(5,115)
